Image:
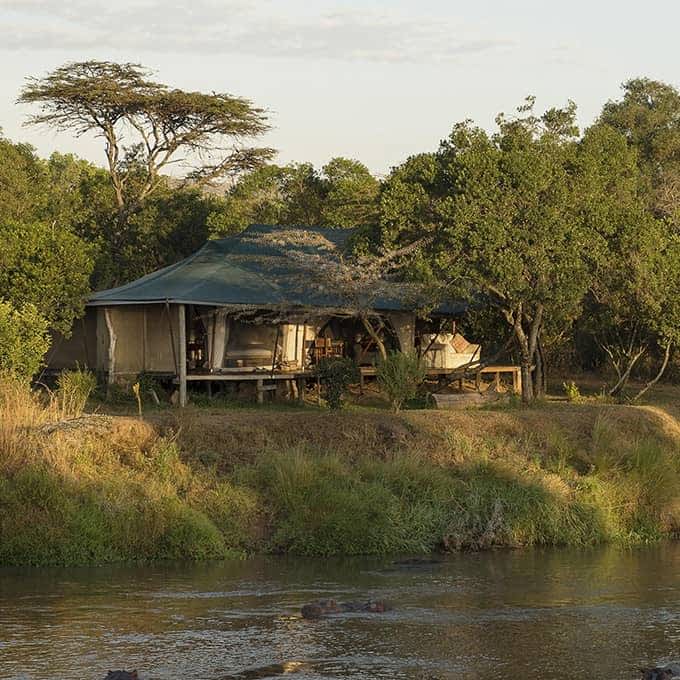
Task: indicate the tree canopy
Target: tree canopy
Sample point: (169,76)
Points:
(43,261)
(648,115)
(147,128)
(557,235)
(47,266)
(342,194)
(520,216)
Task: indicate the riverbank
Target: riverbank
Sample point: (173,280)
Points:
(208,484)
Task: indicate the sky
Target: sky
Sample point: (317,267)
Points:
(375,80)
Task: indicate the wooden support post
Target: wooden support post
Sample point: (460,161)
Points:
(301,390)
(145,364)
(260,391)
(182,356)
(111,354)
(517,381)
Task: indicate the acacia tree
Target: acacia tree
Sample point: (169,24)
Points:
(502,215)
(362,280)
(147,127)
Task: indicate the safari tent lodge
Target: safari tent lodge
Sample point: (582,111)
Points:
(248,312)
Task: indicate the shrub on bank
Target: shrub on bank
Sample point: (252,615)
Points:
(24,340)
(400,376)
(337,374)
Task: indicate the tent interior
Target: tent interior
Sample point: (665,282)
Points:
(134,339)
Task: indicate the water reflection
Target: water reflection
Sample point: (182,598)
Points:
(509,614)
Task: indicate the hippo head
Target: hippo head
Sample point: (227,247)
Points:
(656,673)
(312,611)
(122,675)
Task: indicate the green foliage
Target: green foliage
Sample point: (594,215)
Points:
(400,375)
(337,374)
(504,218)
(648,116)
(47,266)
(325,505)
(48,519)
(23,183)
(322,509)
(631,308)
(350,194)
(496,509)
(23,339)
(343,194)
(171,225)
(572,391)
(73,390)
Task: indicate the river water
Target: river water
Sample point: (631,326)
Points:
(508,614)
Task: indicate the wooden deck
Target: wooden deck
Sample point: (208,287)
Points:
(266,380)
(456,374)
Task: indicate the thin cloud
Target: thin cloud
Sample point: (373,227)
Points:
(236,27)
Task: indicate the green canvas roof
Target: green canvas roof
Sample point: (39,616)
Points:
(253,268)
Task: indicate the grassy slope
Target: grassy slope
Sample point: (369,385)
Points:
(207,484)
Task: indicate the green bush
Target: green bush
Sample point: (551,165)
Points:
(572,391)
(400,375)
(337,374)
(23,339)
(73,390)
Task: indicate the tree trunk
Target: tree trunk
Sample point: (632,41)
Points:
(539,390)
(541,377)
(524,362)
(111,354)
(657,377)
(623,376)
(527,381)
(527,343)
(374,335)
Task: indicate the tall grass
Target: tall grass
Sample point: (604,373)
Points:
(73,390)
(112,489)
(92,493)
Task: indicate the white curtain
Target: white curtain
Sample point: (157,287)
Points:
(218,337)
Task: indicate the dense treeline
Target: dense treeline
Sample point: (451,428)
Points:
(568,238)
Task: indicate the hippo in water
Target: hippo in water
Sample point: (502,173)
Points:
(121,675)
(672,670)
(316,610)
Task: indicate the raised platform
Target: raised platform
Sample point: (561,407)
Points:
(457,373)
(262,377)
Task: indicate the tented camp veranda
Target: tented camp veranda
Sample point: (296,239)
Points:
(249,308)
